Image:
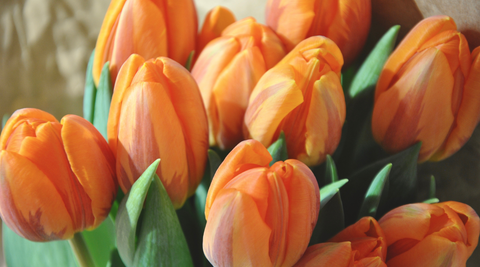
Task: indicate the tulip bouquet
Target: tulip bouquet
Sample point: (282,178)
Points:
(225,147)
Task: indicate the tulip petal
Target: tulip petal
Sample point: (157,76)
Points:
(215,22)
(235,234)
(92,162)
(246,155)
(122,84)
(468,114)
(31,205)
(327,254)
(189,108)
(103,44)
(231,93)
(273,98)
(291,26)
(46,151)
(421,33)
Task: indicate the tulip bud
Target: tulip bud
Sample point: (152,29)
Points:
(226,72)
(361,244)
(56,179)
(442,234)
(428,92)
(301,96)
(157,112)
(345,22)
(215,22)
(150,28)
(259,215)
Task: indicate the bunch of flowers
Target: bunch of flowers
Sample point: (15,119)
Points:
(225,147)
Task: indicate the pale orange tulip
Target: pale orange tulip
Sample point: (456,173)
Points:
(215,22)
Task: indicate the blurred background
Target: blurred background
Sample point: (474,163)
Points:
(45,46)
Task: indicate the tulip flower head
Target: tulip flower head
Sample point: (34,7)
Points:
(157,112)
(301,96)
(150,28)
(259,215)
(360,244)
(228,69)
(428,92)
(345,22)
(442,234)
(56,178)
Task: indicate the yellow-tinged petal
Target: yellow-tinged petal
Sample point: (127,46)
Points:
(235,234)
(215,22)
(468,113)
(92,162)
(231,93)
(31,205)
(104,40)
(140,141)
(420,34)
(122,84)
(327,254)
(246,155)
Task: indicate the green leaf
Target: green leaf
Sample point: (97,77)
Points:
(431,200)
(369,72)
(129,212)
(115,260)
(374,192)
(102,101)
(4,120)
(331,218)
(100,242)
(432,189)
(188,64)
(22,252)
(90,91)
(161,240)
(328,191)
(278,149)
(331,175)
(400,187)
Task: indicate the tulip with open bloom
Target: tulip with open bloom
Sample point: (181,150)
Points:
(361,244)
(215,22)
(226,72)
(301,96)
(157,112)
(56,178)
(346,22)
(259,215)
(442,234)
(150,28)
(428,91)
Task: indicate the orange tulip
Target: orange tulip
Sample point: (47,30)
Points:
(150,28)
(215,22)
(303,97)
(428,92)
(226,72)
(361,244)
(56,178)
(443,234)
(259,215)
(157,112)
(346,22)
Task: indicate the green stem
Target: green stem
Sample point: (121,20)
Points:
(80,250)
